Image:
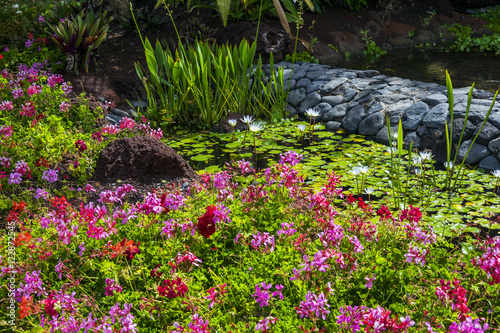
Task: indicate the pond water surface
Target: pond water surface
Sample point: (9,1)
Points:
(464,68)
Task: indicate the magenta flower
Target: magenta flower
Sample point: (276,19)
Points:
(112,286)
(6,105)
(17,93)
(64,107)
(262,295)
(50,175)
(80,145)
(15,178)
(314,305)
(416,254)
(369,284)
(41,193)
(41,19)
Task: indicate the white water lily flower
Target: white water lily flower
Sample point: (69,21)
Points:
(417,160)
(496,174)
(355,171)
(247,119)
(301,128)
(394,136)
(392,150)
(418,171)
(232,122)
(425,156)
(312,113)
(255,127)
(364,169)
(448,165)
(369,190)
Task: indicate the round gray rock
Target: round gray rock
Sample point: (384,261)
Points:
(371,124)
(458,125)
(436,117)
(353,118)
(413,115)
(489,163)
(476,153)
(488,133)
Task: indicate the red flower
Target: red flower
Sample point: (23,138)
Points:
(172,288)
(350,199)
(384,213)
(155,273)
(206,224)
(49,305)
(126,248)
(1,57)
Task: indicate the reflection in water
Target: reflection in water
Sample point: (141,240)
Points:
(464,68)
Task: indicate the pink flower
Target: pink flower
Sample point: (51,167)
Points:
(64,107)
(369,284)
(34,89)
(6,105)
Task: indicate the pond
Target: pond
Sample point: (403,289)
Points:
(464,68)
(472,208)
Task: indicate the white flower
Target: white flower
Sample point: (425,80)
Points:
(392,150)
(247,119)
(369,190)
(356,171)
(312,113)
(255,127)
(301,128)
(394,136)
(496,174)
(232,122)
(364,169)
(417,160)
(418,171)
(425,156)
(448,165)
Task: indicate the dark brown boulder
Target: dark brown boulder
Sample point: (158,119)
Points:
(141,158)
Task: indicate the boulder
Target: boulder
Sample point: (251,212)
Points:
(476,153)
(353,118)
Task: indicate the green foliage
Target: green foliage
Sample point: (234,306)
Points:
(146,20)
(20,18)
(465,42)
(43,132)
(372,51)
(5,204)
(205,82)
(301,56)
(353,4)
(39,52)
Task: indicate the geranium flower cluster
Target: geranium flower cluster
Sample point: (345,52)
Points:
(173,288)
(490,260)
(365,319)
(455,296)
(263,294)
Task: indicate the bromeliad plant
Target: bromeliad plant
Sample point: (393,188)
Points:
(241,251)
(82,34)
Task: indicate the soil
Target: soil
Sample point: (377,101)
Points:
(112,75)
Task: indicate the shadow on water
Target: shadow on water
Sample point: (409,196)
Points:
(464,68)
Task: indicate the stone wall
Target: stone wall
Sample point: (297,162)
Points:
(359,101)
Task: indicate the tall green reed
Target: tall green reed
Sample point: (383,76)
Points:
(204,82)
(401,188)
